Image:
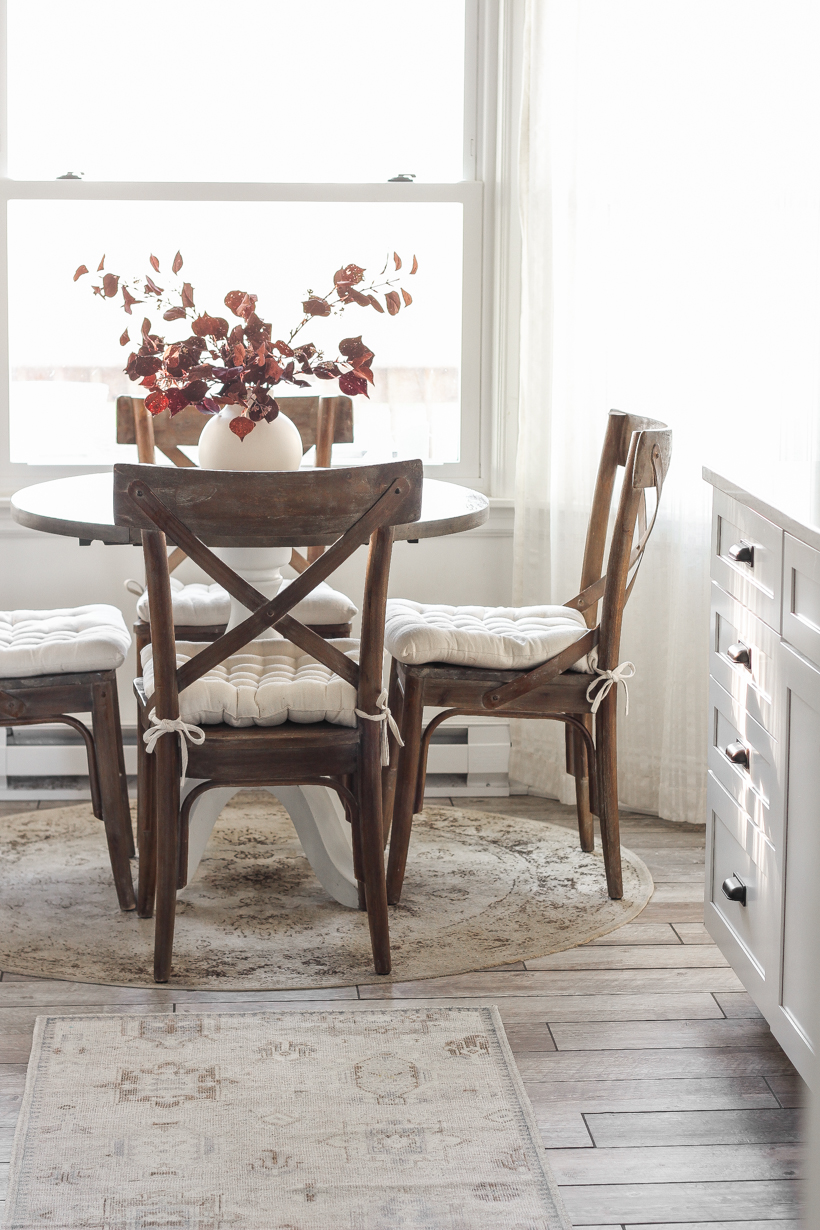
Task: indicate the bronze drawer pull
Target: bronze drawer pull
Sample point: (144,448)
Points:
(740,654)
(734,889)
(742,553)
(738,755)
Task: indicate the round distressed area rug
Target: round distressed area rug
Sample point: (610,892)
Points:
(481,890)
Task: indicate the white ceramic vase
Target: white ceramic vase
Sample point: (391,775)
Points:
(270,446)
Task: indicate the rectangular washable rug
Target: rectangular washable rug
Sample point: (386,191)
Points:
(344,1120)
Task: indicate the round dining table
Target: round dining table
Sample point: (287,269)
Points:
(82,507)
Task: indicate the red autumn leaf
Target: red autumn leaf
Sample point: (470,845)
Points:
(154,263)
(174,313)
(128,299)
(397,260)
(358,297)
(210,326)
(176,401)
(145,328)
(408,298)
(145,365)
(273,410)
(316,307)
(415,265)
(149,382)
(284,349)
(151,286)
(239,354)
(208,406)
(187,295)
(393,302)
(240,302)
(80,271)
(156,402)
(354,348)
(111,283)
(273,371)
(373,301)
(177,265)
(124,338)
(241,427)
(327,371)
(195,391)
(101,264)
(364,371)
(349,275)
(306,351)
(352,385)
(98,290)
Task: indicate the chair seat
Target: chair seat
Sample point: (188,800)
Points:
(198,606)
(69,640)
(265,684)
(500,638)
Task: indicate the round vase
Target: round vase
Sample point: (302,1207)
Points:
(270,446)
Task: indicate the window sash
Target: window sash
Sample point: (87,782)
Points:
(477,255)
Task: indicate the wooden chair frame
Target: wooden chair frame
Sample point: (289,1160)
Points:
(323,421)
(550,691)
(43,699)
(345,508)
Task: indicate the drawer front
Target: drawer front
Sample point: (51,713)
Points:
(801,597)
(743,757)
(743,659)
(756,581)
(741,854)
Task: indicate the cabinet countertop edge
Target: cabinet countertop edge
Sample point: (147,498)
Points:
(802,530)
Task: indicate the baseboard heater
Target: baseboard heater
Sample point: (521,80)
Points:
(468,757)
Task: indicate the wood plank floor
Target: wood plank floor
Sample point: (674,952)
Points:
(661,1095)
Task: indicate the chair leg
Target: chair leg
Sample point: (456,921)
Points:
(166,812)
(395,703)
(372,846)
(146,825)
(121,766)
(405,786)
(607,758)
(578,766)
(113,792)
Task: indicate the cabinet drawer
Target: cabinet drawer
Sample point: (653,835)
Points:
(801,597)
(743,757)
(755,581)
(743,659)
(740,853)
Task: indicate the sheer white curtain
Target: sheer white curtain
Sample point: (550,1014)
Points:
(670,204)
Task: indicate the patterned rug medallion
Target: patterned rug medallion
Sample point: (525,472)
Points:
(361,1120)
(481,890)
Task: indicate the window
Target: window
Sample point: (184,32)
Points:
(259,141)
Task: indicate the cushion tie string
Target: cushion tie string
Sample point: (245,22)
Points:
(386,718)
(168,726)
(607,680)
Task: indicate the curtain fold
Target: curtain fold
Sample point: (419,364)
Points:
(670,212)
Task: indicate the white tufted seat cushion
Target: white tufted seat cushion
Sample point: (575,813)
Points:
(62,642)
(267,683)
(198,605)
(502,638)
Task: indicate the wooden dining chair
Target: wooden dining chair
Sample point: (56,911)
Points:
(59,663)
(321,421)
(570,685)
(338,508)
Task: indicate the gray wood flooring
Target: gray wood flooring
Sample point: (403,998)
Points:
(661,1095)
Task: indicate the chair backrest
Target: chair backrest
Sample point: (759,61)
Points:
(323,421)
(643,447)
(197,509)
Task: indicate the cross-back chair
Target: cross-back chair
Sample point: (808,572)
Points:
(556,689)
(321,421)
(340,509)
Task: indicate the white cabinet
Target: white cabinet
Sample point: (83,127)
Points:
(763,818)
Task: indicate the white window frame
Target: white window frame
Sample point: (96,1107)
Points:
(489,288)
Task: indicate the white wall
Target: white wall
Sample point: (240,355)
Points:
(42,571)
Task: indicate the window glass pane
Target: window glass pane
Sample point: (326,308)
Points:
(267,91)
(67,364)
